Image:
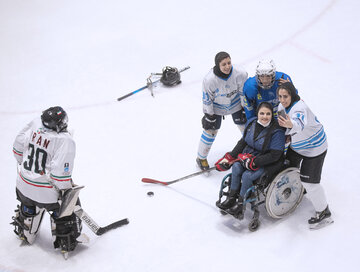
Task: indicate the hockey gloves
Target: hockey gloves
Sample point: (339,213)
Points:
(242,117)
(225,162)
(247,161)
(208,121)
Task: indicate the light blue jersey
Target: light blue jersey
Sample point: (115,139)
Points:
(308,137)
(224,96)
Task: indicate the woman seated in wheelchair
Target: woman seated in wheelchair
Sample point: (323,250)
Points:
(260,149)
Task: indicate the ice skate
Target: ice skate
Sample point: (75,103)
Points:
(203,165)
(321,219)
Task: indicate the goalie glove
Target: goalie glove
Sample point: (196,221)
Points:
(247,161)
(225,162)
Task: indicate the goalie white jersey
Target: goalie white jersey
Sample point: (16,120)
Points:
(224,96)
(43,155)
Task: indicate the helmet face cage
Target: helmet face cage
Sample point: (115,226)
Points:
(55,118)
(265,68)
(170,76)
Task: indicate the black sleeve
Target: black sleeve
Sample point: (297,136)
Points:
(268,158)
(238,148)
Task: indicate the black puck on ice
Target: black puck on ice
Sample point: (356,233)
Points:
(150,193)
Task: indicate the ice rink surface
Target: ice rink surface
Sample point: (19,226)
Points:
(84,54)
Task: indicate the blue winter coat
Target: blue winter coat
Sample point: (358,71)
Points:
(268,146)
(275,139)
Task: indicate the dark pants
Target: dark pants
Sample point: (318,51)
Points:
(31,203)
(310,167)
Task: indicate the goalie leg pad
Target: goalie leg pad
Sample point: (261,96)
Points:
(27,221)
(65,230)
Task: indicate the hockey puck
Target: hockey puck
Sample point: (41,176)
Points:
(150,193)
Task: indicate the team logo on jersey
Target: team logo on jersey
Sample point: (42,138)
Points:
(231,94)
(66,167)
(40,131)
(259,96)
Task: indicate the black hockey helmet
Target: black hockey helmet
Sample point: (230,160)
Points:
(170,76)
(55,118)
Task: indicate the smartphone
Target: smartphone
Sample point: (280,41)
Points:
(282,114)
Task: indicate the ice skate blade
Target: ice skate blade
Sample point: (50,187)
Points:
(24,242)
(65,254)
(83,239)
(325,222)
(206,173)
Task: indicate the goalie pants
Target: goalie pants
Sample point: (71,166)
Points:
(29,202)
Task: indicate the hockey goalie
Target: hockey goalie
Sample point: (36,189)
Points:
(45,153)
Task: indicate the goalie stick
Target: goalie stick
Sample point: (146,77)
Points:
(148,180)
(94,227)
(68,206)
(148,85)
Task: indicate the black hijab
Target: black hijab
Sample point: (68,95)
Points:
(218,58)
(291,90)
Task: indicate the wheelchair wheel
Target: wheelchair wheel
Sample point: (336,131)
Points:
(284,193)
(254,225)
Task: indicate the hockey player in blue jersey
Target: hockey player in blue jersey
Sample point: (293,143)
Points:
(262,87)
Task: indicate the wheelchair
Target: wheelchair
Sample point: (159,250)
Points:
(281,193)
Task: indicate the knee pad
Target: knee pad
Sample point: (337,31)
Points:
(65,230)
(27,221)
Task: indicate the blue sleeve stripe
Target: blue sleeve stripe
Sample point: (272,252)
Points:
(308,147)
(310,144)
(233,104)
(314,137)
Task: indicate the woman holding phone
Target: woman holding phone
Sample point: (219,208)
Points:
(307,149)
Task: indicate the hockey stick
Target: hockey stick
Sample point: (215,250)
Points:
(148,180)
(95,227)
(147,85)
(79,212)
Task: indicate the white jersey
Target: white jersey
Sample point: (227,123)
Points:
(308,136)
(224,96)
(43,155)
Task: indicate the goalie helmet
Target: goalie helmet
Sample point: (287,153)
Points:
(55,118)
(265,68)
(170,76)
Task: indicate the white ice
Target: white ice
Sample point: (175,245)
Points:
(83,54)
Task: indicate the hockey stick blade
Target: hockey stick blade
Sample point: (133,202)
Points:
(112,226)
(148,180)
(93,226)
